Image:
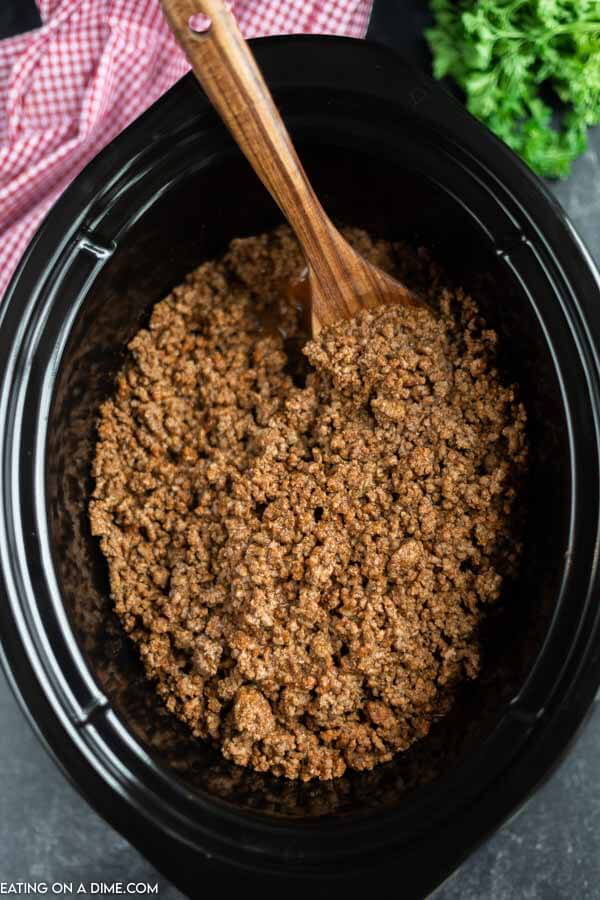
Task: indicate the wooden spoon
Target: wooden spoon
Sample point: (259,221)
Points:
(341,282)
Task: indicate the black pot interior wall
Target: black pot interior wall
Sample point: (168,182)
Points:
(193,221)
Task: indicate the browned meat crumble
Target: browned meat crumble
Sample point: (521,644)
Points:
(304,567)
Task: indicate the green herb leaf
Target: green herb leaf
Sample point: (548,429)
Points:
(510,56)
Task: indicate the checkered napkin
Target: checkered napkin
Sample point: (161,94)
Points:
(69,87)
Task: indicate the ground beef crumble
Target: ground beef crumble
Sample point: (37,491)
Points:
(303,560)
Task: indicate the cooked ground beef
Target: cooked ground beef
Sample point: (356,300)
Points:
(303,555)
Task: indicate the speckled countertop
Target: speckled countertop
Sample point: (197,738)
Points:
(550,851)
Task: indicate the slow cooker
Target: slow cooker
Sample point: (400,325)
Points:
(389,151)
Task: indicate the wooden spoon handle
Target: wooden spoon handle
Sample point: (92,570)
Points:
(226,69)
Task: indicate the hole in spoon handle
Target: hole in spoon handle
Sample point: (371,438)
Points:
(199,25)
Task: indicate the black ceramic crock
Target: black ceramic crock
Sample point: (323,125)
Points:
(389,151)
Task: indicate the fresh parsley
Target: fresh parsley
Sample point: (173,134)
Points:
(511,58)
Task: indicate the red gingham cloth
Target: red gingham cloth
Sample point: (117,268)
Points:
(67,88)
